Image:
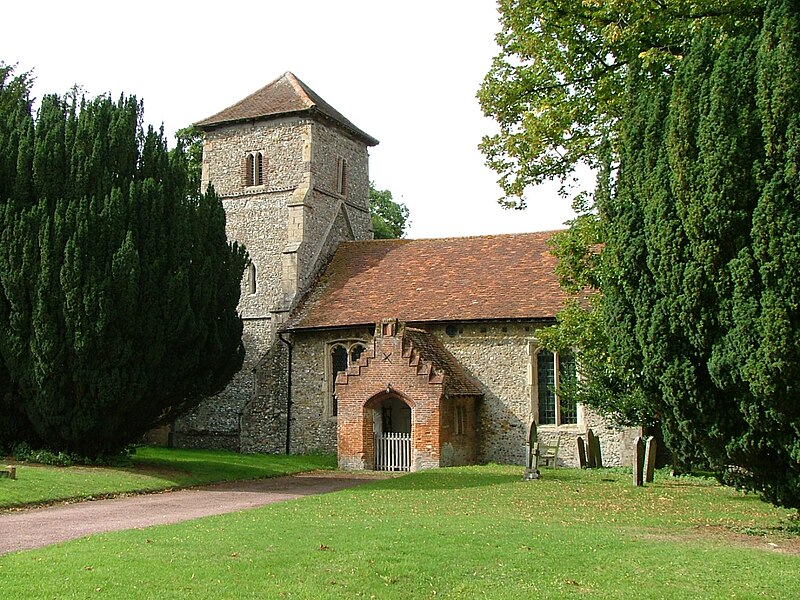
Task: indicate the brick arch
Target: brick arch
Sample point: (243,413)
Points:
(368,421)
(392,369)
(384,395)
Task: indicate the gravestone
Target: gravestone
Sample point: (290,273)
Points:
(581,452)
(598,456)
(532,454)
(650,459)
(638,462)
(591,459)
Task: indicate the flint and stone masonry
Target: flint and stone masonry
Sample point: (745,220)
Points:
(290,224)
(470,386)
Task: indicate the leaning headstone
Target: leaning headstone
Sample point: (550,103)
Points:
(581,453)
(591,459)
(650,459)
(598,456)
(532,454)
(638,462)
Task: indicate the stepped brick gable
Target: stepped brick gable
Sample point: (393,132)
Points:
(412,368)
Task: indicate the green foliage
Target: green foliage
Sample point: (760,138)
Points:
(389,218)
(554,87)
(190,140)
(119,286)
(690,110)
(701,242)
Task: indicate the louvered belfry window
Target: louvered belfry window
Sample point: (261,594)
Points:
(341,176)
(253,169)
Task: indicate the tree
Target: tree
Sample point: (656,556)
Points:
(554,87)
(389,218)
(16,124)
(190,140)
(698,277)
(120,286)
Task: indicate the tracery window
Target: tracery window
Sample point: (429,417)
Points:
(554,370)
(341,355)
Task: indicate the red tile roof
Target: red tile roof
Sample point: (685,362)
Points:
(452,279)
(457,381)
(284,96)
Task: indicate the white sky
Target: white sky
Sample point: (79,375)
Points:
(406,72)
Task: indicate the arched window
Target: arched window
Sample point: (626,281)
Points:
(554,371)
(341,355)
(250,275)
(253,169)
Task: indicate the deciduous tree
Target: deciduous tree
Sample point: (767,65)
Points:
(389,218)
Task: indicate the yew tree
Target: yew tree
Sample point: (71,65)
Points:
(119,287)
(694,243)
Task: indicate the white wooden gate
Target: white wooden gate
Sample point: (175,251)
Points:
(392,451)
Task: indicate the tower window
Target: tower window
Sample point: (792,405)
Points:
(251,278)
(341,176)
(254,169)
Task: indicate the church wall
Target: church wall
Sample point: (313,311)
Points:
(265,413)
(496,355)
(283,142)
(215,422)
(258,218)
(330,217)
(499,356)
(312,428)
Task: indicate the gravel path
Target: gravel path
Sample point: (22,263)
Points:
(44,526)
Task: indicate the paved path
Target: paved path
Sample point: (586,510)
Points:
(44,526)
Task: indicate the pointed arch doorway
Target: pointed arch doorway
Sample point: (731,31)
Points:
(391,427)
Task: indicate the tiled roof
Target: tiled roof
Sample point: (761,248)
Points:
(284,96)
(456,379)
(452,279)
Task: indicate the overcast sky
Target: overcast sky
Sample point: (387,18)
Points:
(405,72)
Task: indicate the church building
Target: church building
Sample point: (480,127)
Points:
(393,354)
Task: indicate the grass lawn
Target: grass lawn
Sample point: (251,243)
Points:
(150,469)
(473,532)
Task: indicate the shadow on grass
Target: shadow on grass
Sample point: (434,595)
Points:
(449,478)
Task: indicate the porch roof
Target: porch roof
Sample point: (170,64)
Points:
(456,380)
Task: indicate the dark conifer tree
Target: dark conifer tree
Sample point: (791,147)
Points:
(123,285)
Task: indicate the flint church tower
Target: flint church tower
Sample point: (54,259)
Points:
(292,173)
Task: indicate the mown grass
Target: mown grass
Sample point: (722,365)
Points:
(151,469)
(474,532)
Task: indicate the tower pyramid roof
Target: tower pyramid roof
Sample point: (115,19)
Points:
(287,95)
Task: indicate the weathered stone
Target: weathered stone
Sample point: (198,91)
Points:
(638,462)
(650,459)
(581,453)
(591,459)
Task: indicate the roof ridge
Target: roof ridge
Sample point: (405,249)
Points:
(299,87)
(488,236)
